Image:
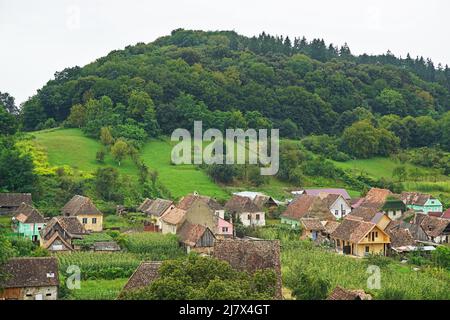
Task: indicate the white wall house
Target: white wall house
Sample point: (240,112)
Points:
(338,206)
(256,219)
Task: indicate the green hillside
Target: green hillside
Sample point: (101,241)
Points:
(70,147)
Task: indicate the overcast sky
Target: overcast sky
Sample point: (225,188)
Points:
(41,37)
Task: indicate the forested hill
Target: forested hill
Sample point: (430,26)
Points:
(307,86)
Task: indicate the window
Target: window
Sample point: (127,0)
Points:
(338,243)
(48,294)
(84,220)
(249,217)
(376,234)
(257,216)
(373,236)
(344,212)
(367,249)
(94,220)
(224,229)
(336,212)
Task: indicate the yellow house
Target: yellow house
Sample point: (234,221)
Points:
(84,209)
(360,238)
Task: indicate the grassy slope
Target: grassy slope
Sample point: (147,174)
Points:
(71,147)
(98,289)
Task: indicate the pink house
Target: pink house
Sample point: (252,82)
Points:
(224,228)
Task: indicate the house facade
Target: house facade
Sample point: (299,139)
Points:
(312,228)
(60,232)
(244,209)
(28,222)
(360,238)
(172,220)
(337,205)
(421,202)
(306,206)
(155,209)
(86,212)
(30,279)
(224,228)
(195,237)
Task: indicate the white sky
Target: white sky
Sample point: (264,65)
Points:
(41,37)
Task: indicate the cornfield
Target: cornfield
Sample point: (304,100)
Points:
(153,246)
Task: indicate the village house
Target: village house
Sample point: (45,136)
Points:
(306,206)
(86,212)
(443,215)
(205,211)
(394,207)
(336,203)
(436,229)
(143,276)
(224,229)
(360,238)
(59,233)
(261,200)
(375,198)
(421,202)
(329,227)
(10,202)
(244,209)
(399,235)
(172,220)
(340,293)
(251,256)
(315,192)
(195,237)
(311,228)
(371,215)
(28,222)
(30,279)
(156,208)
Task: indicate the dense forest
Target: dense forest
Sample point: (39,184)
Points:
(228,80)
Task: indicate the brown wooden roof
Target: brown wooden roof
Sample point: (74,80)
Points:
(14,199)
(238,204)
(144,275)
(71,225)
(31,272)
(28,214)
(306,206)
(80,205)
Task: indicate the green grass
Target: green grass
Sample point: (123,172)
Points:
(179,179)
(5,221)
(71,147)
(97,289)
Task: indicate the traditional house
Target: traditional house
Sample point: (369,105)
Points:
(244,209)
(306,206)
(251,256)
(156,208)
(87,213)
(421,202)
(204,211)
(340,293)
(59,233)
(143,276)
(400,236)
(329,227)
(311,228)
(337,191)
(28,222)
(375,198)
(336,203)
(436,229)
(10,202)
(394,207)
(196,237)
(172,220)
(224,229)
(30,279)
(261,200)
(360,238)
(371,215)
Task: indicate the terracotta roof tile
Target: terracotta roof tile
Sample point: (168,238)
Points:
(175,216)
(80,205)
(31,272)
